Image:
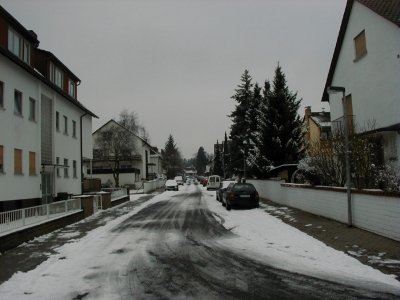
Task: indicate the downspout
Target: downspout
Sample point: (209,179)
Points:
(82,152)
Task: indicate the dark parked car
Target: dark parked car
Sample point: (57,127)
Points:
(219,193)
(240,194)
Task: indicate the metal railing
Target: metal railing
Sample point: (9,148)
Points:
(14,219)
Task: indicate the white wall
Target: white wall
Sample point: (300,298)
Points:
(373,81)
(19,132)
(375,213)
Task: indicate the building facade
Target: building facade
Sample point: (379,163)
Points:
(142,162)
(45,130)
(317,125)
(366,63)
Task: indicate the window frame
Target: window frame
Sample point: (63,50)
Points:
(360,45)
(57,167)
(19,46)
(1,159)
(1,94)
(74,169)
(32,110)
(57,121)
(32,163)
(65,124)
(18,160)
(74,128)
(72,88)
(66,175)
(18,113)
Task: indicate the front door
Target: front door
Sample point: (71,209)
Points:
(47,188)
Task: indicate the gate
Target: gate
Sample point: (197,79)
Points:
(47,188)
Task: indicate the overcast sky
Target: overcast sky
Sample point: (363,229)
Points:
(177,63)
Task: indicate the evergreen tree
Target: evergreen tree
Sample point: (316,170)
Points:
(226,160)
(172,160)
(255,121)
(201,161)
(218,162)
(283,132)
(240,122)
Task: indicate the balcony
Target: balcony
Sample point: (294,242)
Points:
(338,125)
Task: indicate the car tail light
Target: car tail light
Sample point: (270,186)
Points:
(257,196)
(231,196)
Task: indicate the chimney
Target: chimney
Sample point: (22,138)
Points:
(307,112)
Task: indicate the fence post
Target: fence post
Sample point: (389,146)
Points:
(66,205)
(48,211)
(23,217)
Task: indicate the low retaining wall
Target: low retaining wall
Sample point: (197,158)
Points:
(16,238)
(375,211)
(153,185)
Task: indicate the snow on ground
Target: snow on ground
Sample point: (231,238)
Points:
(100,253)
(280,245)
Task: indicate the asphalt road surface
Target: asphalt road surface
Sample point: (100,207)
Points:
(183,256)
(171,249)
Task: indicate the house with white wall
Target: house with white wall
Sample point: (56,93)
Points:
(143,162)
(45,131)
(366,63)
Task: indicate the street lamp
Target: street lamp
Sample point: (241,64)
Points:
(334,90)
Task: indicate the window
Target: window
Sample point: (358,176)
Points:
(32,109)
(72,88)
(57,166)
(74,169)
(57,121)
(74,129)
(18,161)
(56,76)
(32,163)
(14,42)
(66,168)
(18,46)
(65,125)
(360,45)
(1,94)
(1,159)
(17,103)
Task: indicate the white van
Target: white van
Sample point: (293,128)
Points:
(214,182)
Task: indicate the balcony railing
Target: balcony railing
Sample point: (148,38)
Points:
(338,125)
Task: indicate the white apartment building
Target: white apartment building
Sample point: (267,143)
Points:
(45,132)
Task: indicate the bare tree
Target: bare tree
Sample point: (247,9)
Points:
(115,145)
(130,121)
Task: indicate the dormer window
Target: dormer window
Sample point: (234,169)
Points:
(18,46)
(56,75)
(72,88)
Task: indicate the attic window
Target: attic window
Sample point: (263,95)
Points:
(72,88)
(360,45)
(18,46)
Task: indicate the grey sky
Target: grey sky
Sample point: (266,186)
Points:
(177,63)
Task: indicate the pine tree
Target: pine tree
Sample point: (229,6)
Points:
(226,158)
(218,161)
(283,132)
(201,161)
(240,123)
(255,120)
(172,160)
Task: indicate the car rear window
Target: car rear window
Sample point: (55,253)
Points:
(244,187)
(212,179)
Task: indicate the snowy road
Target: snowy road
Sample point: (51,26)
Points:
(182,245)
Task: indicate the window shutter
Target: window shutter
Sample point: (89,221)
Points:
(17,161)
(360,44)
(32,163)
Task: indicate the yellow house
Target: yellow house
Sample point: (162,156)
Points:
(318,126)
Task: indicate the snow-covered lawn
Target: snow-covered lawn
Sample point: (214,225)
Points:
(280,245)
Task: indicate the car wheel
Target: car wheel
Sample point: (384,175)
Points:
(228,206)
(222,202)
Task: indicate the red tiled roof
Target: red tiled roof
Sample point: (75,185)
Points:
(389,9)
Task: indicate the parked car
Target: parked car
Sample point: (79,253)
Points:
(214,182)
(240,194)
(171,185)
(179,180)
(219,193)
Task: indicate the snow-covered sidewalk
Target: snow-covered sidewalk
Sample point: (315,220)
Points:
(280,245)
